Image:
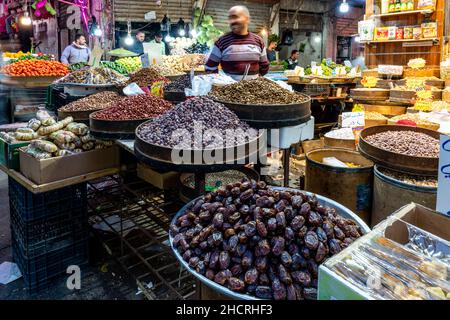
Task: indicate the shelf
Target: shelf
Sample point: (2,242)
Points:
(434,40)
(401,13)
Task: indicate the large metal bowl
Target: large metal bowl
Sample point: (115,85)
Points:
(343,211)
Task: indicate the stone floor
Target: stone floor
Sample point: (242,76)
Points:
(101,280)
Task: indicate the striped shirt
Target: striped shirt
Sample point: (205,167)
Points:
(233,52)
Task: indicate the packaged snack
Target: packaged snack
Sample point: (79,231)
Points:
(399,34)
(26,136)
(78,150)
(392,32)
(61,153)
(44,146)
(66,146)
(417,32)
(63,136)
(408,32)
(7,137)
(88,146)
(41,115)
(426,5)
(66,121)
(87,138)
(37,153)
(382,33)
(24,130)
(48,122)
(429,29)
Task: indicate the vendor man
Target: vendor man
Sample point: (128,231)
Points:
(239,48)
(76,52)
(158,40)
(293,59)
(138,47)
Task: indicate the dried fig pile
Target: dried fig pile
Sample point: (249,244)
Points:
(259,241)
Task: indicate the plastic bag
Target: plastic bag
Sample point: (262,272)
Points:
(37,153)
(87,138)
(24,130)
(77,128)
(7,137)
(63,136)
(48,122)
(42,115)
(26,136)
(61,153)
(43,145)
(88,146)
(34,124)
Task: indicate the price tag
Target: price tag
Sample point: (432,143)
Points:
(96,56)
(443,199)
(352,119)
(145,60)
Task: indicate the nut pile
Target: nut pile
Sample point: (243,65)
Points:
(343,133)
(262,242)
(143,106)
(217,178)
(200,111)
(257,91)
(180,84)
(144,77)
(94,76)
(369,115)
(420,181)
(410,143)
(96,101)
(166,71)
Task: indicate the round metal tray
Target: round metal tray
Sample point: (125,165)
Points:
(343,211)
(76,115)
(397,161)
(174,96)
(160,157)
(265,116)
(113,129)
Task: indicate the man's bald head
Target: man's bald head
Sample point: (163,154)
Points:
(239,18)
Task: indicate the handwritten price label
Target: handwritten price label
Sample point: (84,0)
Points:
(443,199)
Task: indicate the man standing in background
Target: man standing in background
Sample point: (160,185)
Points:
(239,48)
(158,40)
(76,52)
(138,47)
(293,59)
(271,53)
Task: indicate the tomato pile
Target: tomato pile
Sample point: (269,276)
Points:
(36,67)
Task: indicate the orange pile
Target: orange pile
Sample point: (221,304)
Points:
(35,67)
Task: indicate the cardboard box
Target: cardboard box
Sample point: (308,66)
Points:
(395,227)
(163,181)
(60,168)
(9,153)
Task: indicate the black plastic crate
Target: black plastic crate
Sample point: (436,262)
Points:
(48,234)
(32,206)
(39,272)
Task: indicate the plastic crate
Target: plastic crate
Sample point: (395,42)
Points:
(48,234)
(39,272)
(30,206)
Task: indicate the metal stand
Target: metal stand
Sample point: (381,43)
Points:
(200,183)
(286,157)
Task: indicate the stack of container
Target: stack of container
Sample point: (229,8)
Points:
(49,232)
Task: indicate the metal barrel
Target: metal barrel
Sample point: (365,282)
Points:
(390,194)
(352,187)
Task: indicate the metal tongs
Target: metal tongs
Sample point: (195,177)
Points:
(247,68)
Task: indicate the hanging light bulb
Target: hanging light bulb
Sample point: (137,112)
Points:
(317,39)
(193,33)
(264,32)
(25,19)
(344,7)
(168,38)
(182,33)
(98,32)
(358,39)
(129,40)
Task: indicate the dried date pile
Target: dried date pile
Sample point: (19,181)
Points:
(177,127)
(144,77)
(142,106)
(261,242)
(411,143)
(257,91)
(179,84)
(96,101)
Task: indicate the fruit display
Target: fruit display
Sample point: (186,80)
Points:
(120,52)
(93,76)
(197,48)
(183,63)
(415,119)
(114,66)
(259,241)
(207,33)
(407,142)
(14,55)
(402,271)
(36,68)
(179,84)
(257,91)
(212,116)
(77,66)
(130,64)
(328,68)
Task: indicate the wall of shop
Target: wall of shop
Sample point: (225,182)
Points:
(136,9)
(46,32)
(218,9)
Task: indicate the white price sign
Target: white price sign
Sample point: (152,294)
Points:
(443,199)
(352,119)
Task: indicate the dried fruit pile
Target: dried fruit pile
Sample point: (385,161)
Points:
(262,242)
(143,106)
(96,101)
(207,115)
(410,143)
(94,76)
(257,91)
(144,77)
(36,67)
(179,84)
